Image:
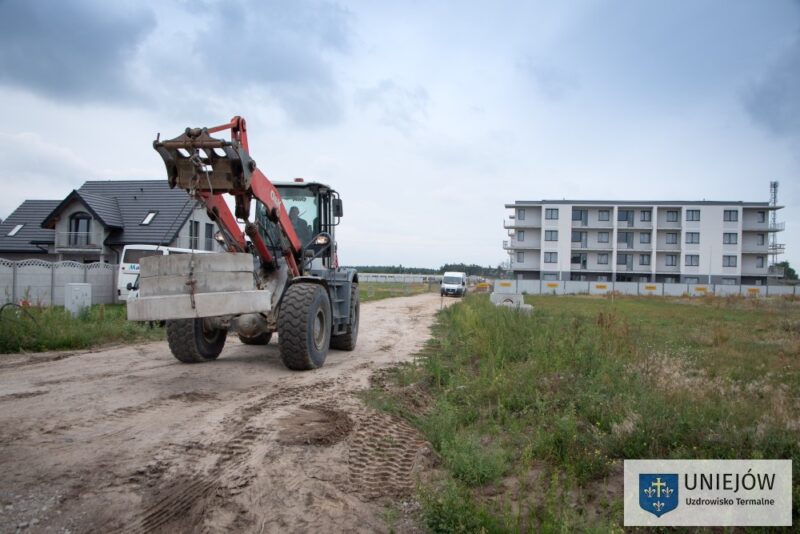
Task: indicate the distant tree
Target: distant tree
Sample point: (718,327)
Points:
(788,272)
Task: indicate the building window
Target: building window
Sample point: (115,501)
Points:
(729,281)
(551,257)
(79,228)
(551,235)
(624,215)
(760,261)
(209,236)
(644,259)
(730,215)
(604,215)
(691,280)
(671,260)
(644,237)
(550,276)
(762,216)
(761,239)
(520,214)
(692,215)
(602,259)
(602,237)
(520,235)
(729,261)
(578,214)
(194,233)
(672,238)
(729,238)
(520,257)
(692,238)
(672,215)
(646,216)
(692,260)
(14,230)
(579,259)
(148,218)
(622,259)
(551,214)
(669,280)
(577,237)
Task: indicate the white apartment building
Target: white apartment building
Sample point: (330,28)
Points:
(702,242)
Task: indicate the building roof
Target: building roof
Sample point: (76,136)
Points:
(103,208)
(737,203)
(30,215)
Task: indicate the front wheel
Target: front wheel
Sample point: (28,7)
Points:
(192,341)
(304,326)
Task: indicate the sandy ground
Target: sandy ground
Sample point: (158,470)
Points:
(129,439)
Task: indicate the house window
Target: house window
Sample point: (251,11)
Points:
(194,233)
(762,216)
(672,215)
(209,236)
(79,228)
(729,238)
(551,235)
(602,259)
(760,261)
(551,214)
(520,257)
(602,237)
(644,237)
(730,215)
(577,237)
(646,216)
(623,215)
(604,215)
(578,214)
(671,260)
(644,259)
(148,218)
(692,215)
(551,257)
(761,239)
(520,235)
(729,261)
(692,260)
(622,259)
(672,238)
(14,230)
(520,214)
(692,238)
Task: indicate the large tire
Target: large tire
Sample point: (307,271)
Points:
(347,341)
(304,326)
(190,342)
(260,339)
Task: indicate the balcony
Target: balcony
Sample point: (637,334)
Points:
(763,227)
(755,249)
(774,270)
(76,241)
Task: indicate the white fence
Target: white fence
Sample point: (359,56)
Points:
(399,278)
(545,287)
(43,282)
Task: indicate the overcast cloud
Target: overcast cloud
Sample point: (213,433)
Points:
(426,116)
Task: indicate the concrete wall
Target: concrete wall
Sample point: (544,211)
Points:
(43,283)
(546,287)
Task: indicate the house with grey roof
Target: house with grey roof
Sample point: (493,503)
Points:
(94,222)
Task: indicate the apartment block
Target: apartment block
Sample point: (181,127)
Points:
(704,242)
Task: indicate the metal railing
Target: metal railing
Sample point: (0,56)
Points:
(76,240)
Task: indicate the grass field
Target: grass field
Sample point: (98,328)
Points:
(39,329)
(369,291)
(533,415)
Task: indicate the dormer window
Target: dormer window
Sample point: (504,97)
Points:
(148,218)
(14,230)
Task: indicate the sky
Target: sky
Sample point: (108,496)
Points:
(427,117)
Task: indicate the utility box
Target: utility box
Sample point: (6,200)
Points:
(77,297)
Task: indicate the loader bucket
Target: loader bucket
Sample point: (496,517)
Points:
(196,161)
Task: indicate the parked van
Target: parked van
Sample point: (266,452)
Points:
(454,284)
(132,255)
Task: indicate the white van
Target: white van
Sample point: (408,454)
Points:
(454,284)
(132,255)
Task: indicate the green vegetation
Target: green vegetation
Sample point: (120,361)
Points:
(38,329)
(368,291)
(532,415)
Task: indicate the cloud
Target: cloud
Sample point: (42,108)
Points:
(76,50)
(398,107)
(551,82)
(773,101)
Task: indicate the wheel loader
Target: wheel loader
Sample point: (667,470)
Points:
(280,272)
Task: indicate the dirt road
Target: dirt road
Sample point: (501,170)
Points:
(128,439)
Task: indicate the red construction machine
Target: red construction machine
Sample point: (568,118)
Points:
(280,273)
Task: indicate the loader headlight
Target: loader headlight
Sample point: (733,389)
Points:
(322,240)
(219,238)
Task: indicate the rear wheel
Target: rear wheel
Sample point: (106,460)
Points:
(192,341)
(347,341)
(260,339)
(304,326)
